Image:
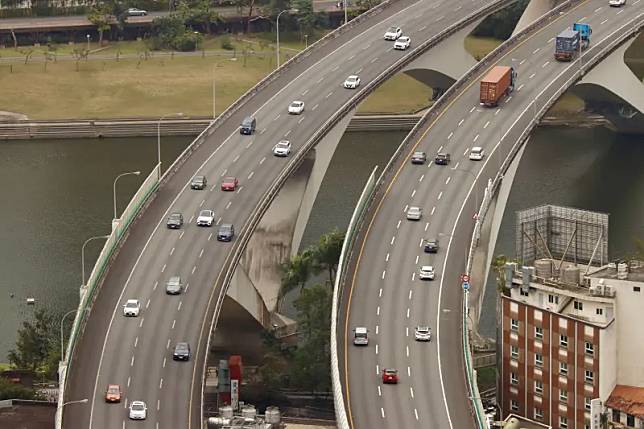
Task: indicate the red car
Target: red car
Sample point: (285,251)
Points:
(113,393)
(390,376)
(229,184)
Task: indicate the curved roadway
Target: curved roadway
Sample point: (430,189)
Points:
(384,292)
(137,352)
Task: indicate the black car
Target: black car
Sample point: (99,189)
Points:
(226,232)
(431,246)
(175,220)
(248,125)
(199,183)
(174,286)
(442,159)
(181,351)
(418,158)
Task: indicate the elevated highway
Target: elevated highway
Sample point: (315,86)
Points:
(137,352)
(381,289)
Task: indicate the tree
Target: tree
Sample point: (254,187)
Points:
(367,4)
(326,254)
(306,17)
(295,273)
(10,390)
(37,346)
(200,14)
(100,17)
(639,246)
(498,265)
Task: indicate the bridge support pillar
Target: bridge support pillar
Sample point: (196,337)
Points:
(534,10)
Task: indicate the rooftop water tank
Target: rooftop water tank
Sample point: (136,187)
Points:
(226,412)
(249,411)
(543,268)
(570,275)
(273,415)
(622,271)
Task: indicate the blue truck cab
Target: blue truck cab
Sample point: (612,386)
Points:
(584,32)
(571,41)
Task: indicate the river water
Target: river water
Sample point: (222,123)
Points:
(58,193)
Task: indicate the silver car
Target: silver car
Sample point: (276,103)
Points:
(174,286)
(426,272)
(423,333)
(414,213)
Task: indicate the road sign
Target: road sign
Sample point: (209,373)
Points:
(465,278)
(466,286)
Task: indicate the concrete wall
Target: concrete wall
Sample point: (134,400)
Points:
(607,360)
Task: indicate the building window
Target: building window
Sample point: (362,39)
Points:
(514,405)
(636,288)
(538,359)
(590,348)
(538,387)
(563,368)
(590,376)
(514,352)
(538,333)
(563,422)
(563,395)
(599,311)
(514,324)
(617,417)
(538,413)
(524,292)
(563,340)
(579,305)
(553,299)
(587,404)
(514,379)
(630,420)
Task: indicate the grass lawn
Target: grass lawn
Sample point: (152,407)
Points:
(479,47)
(4,366)
(400,94)
(486,377)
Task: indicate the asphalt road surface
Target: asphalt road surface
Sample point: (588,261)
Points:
(137,352)
(53,22)
(386,295)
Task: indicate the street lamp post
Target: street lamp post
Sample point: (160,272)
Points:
(83,255)
(179,114)
(80,401)
(278,32)
(344,3)
(88,37)
(62,333)
(135,173)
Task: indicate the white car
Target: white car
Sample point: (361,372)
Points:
(296,107)
(477,153)
(206,218)
(282,148)
(138,410)
(423,333)
(414,213)
(616,3)
(352,82)
(393,33)
(136,12)
(132,308)
(426,272)
(402,43)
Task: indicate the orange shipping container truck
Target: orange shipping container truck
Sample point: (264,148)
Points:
(496,84)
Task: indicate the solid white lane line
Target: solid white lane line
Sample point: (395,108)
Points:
(421,243)
(163,269)
(432,213)
(250,176)
(155,285)
(448,179)
(421,178)
(408,312)
(413,276)
(181,235)
(383,274)
(486,124)
(411,392)
(461,122)
(440,195)
(382,412)
(376,329)
(201,204)
(535,51)
(235,159)
(194,268)
(379,391)
(440,149)
(603,22)
(209,236)
(128,385)
(161,383)
(201,253)
(416,413)
(301,120)
(393,239)
(171,251)
(497,112)
(174,322)
(377,369)
(548,62)
(399,222)
(387,258)
(413,193)
(158,408)
(179,306)
(476,138)
(380,293)
(450,136)
(410,293)
(228,205)
(456,166)
(408,371)
(136,342)
(532,75)
(132,361)
(378,311)
(426,226)
(164,361)
(167,346)
(521,62)
(376,348)
(417,259)
(141,322)
(407,350)
(148,304)
(407,331)
(520,87)
(261,161)
(466,150)
(329,94)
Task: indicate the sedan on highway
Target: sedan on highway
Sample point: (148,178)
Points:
(132,308)
(181,352)
(423,333)
(352,82)
(426,272)
(282,148)
(414,213)
(418,157)
(390,376)
(477,153)
(133,11)
(431,245)
(229,183)
(206,218)
(174,286)
(113,393)
(226,232)
(138,410)
(616,3)
(175,220)
(402,43)
(296,108)
(442,159)
(199,183)
(393,33)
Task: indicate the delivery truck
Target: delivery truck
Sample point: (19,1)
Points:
(496,84)
(570,42)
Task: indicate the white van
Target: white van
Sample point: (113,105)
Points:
(360,337)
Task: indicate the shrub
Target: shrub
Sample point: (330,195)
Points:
(226,43)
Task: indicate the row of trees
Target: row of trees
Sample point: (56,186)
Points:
(306,366)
